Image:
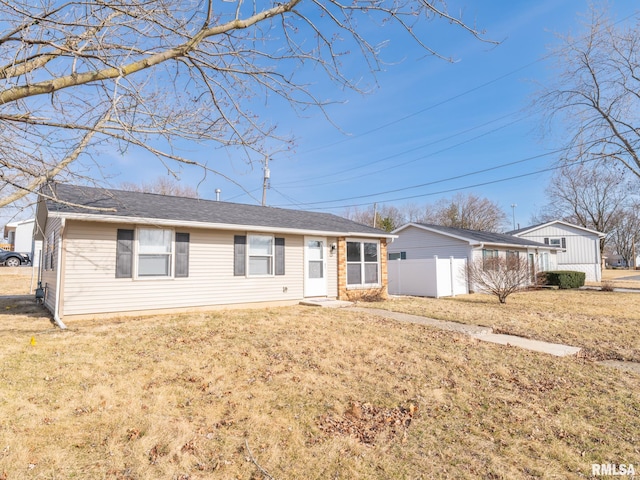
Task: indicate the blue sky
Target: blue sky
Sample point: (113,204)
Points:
(427,122)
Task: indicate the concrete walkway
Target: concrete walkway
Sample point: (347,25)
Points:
(325,303)
(484,334)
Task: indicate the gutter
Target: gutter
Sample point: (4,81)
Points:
(158,222)
(56,314)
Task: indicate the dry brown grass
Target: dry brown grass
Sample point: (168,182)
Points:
(604,324)
(617,279)
(16,281)
(181,396)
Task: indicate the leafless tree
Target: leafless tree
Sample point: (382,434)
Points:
(414,212)
(625,237)
(500,276)
(466,211)
(597,94)
(388,217)
(592,195)
(162,186)
(146,73)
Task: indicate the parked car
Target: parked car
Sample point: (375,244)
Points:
(13,259)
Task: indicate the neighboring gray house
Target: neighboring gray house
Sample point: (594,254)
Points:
(145,252)
(579,247)
(417,241)
(614,260)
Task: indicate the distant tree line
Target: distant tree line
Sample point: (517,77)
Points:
(468,211)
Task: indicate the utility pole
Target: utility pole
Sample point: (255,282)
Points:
(375,214)
(513,212)
(265,182)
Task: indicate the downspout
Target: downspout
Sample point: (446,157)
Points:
(56,314)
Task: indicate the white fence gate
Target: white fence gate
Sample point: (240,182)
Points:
(432,277)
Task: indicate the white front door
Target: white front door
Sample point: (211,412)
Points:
(315,267)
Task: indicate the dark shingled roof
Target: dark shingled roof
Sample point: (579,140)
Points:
(530,227)
(485,237)
(165,207)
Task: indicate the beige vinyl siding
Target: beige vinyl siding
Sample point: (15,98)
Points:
(49,277)
(332,269)
(91,286)
(421,244)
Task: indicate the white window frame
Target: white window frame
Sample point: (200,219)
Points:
(555,242)
(270,256)
(170,255)
(363,263)
(397,256)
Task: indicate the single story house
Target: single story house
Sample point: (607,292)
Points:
(615,260)
(418,242)
(578,247)
(113,251)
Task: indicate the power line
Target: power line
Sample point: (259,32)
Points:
(430,107)
(399,154)
(454,97)
(434,182)
(491,182)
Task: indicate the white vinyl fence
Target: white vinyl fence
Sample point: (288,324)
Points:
(432,277)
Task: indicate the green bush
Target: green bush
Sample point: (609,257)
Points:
(565,278)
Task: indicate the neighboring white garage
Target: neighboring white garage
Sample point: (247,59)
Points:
(429,260)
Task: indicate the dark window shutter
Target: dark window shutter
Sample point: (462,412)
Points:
(182,255)
(53,252)
(279,270)
(546,241)
(124,254)
(239,253)
(564,243)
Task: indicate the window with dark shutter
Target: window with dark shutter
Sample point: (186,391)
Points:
(279,268)
(124,254)
(182,255)
(564,243)
(52,266)
(239,252)
(546,241)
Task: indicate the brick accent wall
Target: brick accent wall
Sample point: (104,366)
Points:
(356,294)
(383,267)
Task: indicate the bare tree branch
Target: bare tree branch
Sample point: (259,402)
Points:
(77,76)
(597,93)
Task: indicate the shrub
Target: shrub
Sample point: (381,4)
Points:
(606,286)
(369,295)
(541,279)
(499,276)
(565,278)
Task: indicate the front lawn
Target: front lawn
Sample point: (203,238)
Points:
(604,324)
(300,392)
